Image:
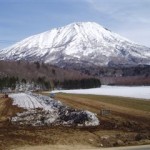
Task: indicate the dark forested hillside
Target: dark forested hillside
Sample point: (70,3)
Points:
(58,77)
(45,75)
(117,75)
(26,70)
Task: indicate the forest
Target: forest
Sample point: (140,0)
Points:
(14,83)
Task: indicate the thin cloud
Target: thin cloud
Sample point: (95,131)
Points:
(20,19)
(129,18)
(134,10)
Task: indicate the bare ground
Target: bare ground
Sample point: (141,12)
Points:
(121,116)
(125,126)
(80,147)
(56,147)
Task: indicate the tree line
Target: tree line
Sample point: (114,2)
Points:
(12,82)
(81,84)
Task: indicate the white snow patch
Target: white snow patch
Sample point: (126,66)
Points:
(43,110)
(93,121)
(142,92)
(28,101)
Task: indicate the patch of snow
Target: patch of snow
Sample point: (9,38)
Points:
(93,121)
(29,101)
(142,92)
(43,110)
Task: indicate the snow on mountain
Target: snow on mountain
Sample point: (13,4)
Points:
(82,42)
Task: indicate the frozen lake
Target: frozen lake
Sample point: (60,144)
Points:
(142,92)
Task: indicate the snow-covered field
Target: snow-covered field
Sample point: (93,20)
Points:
(43,110)
(142,92)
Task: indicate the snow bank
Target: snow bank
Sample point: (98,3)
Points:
(142,92)
(32,101)
(43,110)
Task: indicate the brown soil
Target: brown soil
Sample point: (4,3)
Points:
(7,110)
(93,137)
(79,147)
(56,147)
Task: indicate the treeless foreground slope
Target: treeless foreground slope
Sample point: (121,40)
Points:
(124,126)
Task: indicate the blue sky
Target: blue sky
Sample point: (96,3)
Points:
(22,18)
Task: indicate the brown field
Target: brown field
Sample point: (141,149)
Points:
(128,124)
(123,108)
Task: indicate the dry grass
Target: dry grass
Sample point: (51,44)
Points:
(138,104)
(122,106)
(7,110)
(123,117)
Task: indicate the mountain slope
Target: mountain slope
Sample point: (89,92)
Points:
(84,43)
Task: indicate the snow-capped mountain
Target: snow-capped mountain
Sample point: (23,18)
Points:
(78,43)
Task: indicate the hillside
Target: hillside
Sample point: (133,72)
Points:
(27,70)
(24,76)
